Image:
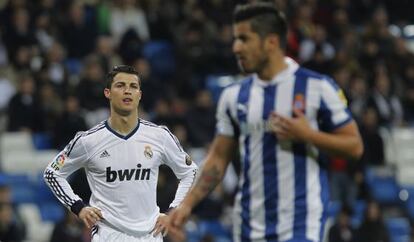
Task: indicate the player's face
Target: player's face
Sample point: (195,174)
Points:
(124,94)
(249,48)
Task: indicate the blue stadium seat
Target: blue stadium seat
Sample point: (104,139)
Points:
(399,229)
(52,212)
(214,228)
(73,65)
(42,141)
(23,193)
(216,83)
(161,57)
(383,186)
(43,192)
(334,208)
(358,212)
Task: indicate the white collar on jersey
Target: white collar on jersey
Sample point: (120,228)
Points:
(284,75)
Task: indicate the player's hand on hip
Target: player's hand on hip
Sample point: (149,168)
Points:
(286,128)
(90,215)
(180,215)
(161,226)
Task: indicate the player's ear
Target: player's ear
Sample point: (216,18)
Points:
(139,95)
(273,41)
(107,93)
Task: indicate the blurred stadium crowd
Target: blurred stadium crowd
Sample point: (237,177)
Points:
(54,55)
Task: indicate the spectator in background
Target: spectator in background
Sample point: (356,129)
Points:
(369,128)
(19,33)
(317,41)
(128,15)
(200,120)
(54,70)
(78,32)
(24,112)
(51,106)
(372,228)
(89,91)
(384,101)
(342,230)
(12,229)
(105,51)
(70,122)
(408,93)
(153,87)
(69,229)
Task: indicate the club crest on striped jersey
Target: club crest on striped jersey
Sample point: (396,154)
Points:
(299,102)
(148,152)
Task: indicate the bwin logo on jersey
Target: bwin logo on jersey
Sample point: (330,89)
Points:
(127,174)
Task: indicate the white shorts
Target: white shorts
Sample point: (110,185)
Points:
(102,233)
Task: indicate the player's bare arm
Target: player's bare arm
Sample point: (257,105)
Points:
(218,158)
(344,141)
(90,215)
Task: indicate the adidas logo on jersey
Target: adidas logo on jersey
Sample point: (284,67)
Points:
(127,174)
(104,154)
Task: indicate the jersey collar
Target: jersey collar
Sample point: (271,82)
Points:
(125,137)
(284,75)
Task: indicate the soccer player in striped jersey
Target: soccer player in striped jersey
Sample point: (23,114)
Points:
(121,157)
(283,118)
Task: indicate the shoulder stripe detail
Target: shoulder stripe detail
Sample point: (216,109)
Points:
(82,134)
(57,189)
(173,137)
(149,123)
(176,141)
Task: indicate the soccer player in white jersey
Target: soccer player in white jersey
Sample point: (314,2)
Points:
(283,118)
(121,157)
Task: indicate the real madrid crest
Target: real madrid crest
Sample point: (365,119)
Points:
(148,152)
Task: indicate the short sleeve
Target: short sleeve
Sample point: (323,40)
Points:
(175,156)
(226,124)
(333,111)
(71,158)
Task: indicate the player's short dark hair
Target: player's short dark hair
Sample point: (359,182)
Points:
(120,69)
(264,19)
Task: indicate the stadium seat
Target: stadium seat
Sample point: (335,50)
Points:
(399,229)
(51,211)
(382,185)
(215,84)
(214,228)
(334,208)
(160,55)
(23,193)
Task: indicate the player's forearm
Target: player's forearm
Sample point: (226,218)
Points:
(183,187)
(211,174)
(344,145)
(62,190)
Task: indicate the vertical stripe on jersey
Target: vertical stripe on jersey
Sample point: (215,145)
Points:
(270,168)
(242,101)
(285,166)
(323,177)
(316,175)
(299,151)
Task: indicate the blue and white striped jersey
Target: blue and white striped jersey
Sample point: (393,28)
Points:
(122,172)
(283,189)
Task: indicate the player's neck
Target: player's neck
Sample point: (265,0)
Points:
(275,65)
(123,124)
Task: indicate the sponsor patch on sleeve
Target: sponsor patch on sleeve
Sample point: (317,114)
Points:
(188,160)
(59,161)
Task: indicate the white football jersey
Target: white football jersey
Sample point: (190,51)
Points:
(122,172)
